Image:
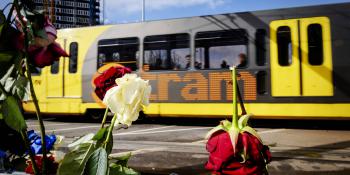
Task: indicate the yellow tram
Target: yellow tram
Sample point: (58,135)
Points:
(297,64)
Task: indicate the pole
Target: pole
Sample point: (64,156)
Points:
(103,11)
(143,11)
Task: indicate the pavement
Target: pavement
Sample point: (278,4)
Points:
(178,146)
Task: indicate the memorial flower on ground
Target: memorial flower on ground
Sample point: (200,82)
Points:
(128,98)
(236,148)
(51,165)
(27,40)
(107,79)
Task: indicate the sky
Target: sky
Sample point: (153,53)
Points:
(128,11)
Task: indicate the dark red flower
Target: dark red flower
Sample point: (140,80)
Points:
(223,160)
(51,165)
(107,79)
(46,56)
(44,51)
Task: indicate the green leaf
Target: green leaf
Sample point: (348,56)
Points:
(234,133)
(84,139)
(6,74)
(21,88)
(2,21)
(74,161)
(122,160)
(100,134)
(243,120)
(100,138)
(12,114)
(41,33)
(116,169)
(97,163)
(2,18)
(6,56)
(224,125)
(1,116)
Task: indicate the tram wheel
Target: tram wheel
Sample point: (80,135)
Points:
(95,115)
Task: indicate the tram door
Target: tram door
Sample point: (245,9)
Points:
(301,57)
(63,81)
(54,78)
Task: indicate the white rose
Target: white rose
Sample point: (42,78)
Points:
(128,98)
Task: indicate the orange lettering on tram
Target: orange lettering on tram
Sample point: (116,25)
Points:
(249,83)
(151,77)
(215,85)
(196,87)
(163,84)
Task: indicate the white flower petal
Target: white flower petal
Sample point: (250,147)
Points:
(128,98)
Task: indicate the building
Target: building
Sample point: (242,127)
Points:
(71,13)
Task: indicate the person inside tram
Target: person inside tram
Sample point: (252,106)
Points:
(188,61)
(242,60)
(224,64)
(197,64)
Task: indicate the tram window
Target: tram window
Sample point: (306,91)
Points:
(222,57)
(199,58)
(156,59)
(221,49)
(260,45)
(261,82)
(315,44)
(120,50)
(284,43)
(73,60)
(55,67)
(167,52)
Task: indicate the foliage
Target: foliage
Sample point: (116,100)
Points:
(89,155)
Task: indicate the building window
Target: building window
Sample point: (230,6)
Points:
(167,52)
(260,45)
(315,44)
(121,51)
(221,49)
(73,60)
(284,44)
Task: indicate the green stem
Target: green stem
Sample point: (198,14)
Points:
(104,118)
(234,100)
(110,129)
(31,155)
(35,100)
(38,115)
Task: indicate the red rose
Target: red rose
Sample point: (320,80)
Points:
(51,165)
(44,51)
(107,79)
(45,56)
(223,160)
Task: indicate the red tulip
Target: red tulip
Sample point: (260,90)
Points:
(107,79)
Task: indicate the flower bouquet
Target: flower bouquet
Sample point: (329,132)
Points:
(235,147)
(27,42)
(125,97)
